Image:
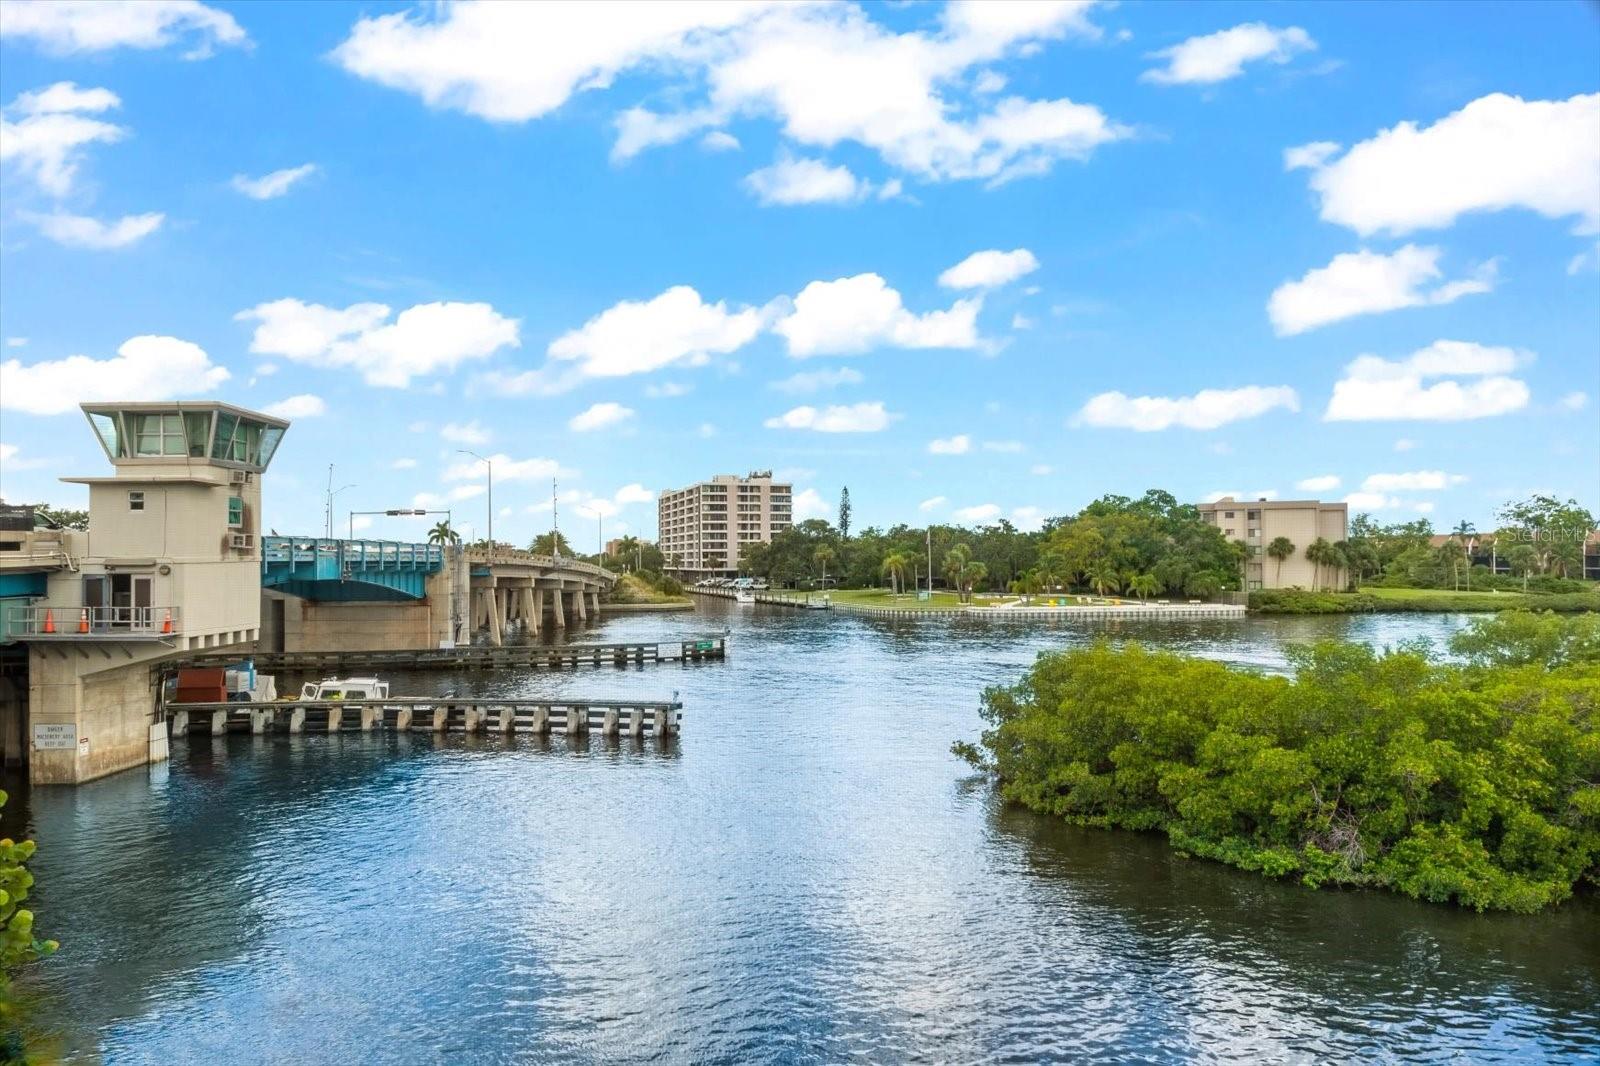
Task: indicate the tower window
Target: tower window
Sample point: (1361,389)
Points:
(135,501)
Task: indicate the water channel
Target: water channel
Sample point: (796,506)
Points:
(806,875)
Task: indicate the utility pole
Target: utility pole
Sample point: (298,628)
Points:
(930,560)
(555,521)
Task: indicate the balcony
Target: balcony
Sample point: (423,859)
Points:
(92,623)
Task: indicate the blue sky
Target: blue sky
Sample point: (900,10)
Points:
(970,261)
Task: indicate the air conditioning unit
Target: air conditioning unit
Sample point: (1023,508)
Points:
(239,477)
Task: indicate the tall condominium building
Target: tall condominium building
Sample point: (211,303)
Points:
(1259,522)
(705,527)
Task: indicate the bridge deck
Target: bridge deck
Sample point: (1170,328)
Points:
(533,656)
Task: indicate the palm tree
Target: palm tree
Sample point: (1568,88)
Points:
(1025,585)
(963,571)
(1523,560)
(895,566)
(1103,577)
(1316,554)
(443,534)
(823,556)
(1280,549)
(1143,585)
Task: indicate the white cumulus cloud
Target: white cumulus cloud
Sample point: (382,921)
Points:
(792,181)
(468,468)
(464,433)
(1575,401)
(824,73)
(859,313)
(1206,409)
(273,185)
(808,381)
(1363,283)
(81,231)
(599,416)
(932,503)
(421,340)
(989,269)
(675,327)
(978,513)
(68,27)
(144,368)
(1320,483)
(855,418)
(305,405)
(1222,55)
(43,133)
(1376,389)
(1412,481)
(1496,153)
(960,444)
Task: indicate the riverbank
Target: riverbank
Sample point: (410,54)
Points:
(880,603)
(1369,600)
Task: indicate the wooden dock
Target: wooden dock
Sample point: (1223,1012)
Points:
(627,718)
(479,657)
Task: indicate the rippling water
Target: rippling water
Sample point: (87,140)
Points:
(807,875)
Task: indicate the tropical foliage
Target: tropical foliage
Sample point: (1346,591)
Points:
(18,944)
(1476,782)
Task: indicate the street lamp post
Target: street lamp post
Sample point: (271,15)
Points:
(489,467)
(332,492)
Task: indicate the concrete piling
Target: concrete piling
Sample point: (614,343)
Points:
(577,721)
(180,722)
(541,721)
(402,720)
(370,716)
(335,719)
(441,719)
(297,720)
(219,723)
(508,720)
(261,720)
(608,725)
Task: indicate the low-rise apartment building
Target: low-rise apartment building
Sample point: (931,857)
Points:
(705,528)
(1257,523)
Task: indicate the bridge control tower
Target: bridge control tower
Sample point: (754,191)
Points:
(170,564)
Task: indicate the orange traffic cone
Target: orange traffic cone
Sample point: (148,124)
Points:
(166,626)
(49,621)
(83,621)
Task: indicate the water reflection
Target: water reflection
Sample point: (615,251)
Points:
(805,875)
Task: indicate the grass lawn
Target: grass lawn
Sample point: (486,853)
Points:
(1291,601)
(941,601)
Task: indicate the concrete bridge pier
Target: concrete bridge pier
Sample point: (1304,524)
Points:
(581,603)
(561,615)
(529,610)
(491,603)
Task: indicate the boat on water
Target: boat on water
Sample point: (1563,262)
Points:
(744,596)
(345,688)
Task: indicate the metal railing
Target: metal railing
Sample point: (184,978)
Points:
(65,623)
(490,556)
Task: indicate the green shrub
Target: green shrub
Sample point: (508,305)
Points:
(18,944)
(1471,782)
(1296,601)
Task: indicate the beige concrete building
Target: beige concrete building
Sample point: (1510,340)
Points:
(1257,523)
(705,528)
(170,564)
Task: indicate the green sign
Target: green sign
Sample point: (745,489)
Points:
(705,645)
